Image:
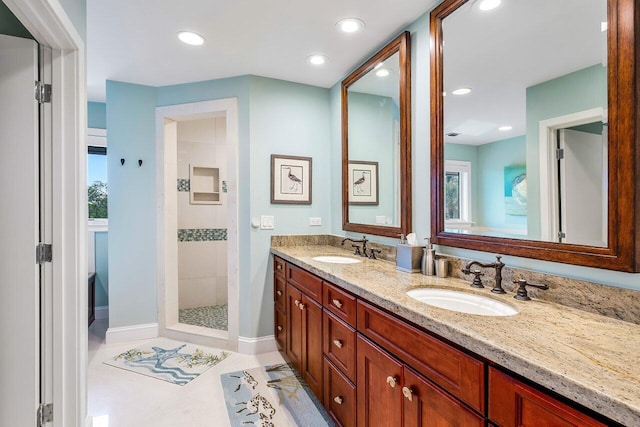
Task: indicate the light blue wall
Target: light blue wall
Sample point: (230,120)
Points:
(132,204)
(492,159)
(371,139)
(292,119)
(97,115)
(102,268)
(578,91)
(467,153)
(77,12)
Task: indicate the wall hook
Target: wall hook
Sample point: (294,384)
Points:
(139,163)
(122,162)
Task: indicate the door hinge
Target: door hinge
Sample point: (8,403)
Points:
(43,92)
(561,235)
(43,253)
(559,153)
(45,414)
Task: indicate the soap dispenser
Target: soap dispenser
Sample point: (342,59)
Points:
(428,259)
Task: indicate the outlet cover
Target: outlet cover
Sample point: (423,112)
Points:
(266,222)
(381,219)
(315,220)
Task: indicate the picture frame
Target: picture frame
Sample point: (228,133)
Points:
(291,180)
(363,183)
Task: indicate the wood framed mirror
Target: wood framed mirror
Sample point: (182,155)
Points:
(376,143)
(506,174)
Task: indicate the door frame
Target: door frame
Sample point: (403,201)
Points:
(549,222)
(47,21)
(166,162)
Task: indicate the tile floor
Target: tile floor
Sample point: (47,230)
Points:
(119,398)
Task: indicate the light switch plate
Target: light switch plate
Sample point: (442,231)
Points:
(315,220)
(266,222)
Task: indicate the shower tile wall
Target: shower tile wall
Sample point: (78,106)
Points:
(202,244)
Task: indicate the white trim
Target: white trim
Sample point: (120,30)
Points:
(257,345)
(102,312)
(548,177)
(167,215)
(96,132)
(132,333)
(462,167)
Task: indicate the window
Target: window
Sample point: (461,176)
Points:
(457,191)
(97,194)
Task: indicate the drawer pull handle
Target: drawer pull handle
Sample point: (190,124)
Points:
(408,393)
(301,306)
(337,303)
(279,292)
(337,343)
(279,266)
(279,328)
(297,303)
(338,400)
(392,381)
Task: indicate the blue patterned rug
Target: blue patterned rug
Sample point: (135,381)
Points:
(273,396)
(170,361)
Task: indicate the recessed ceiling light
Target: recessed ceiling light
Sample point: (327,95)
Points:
(505,128)
(462,91)
(489,4)
(317,59)
(191,38)
(382,72)
(350,25)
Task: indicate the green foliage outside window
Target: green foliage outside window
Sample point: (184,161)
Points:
(98,200)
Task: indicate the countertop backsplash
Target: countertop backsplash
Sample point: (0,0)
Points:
(610,301)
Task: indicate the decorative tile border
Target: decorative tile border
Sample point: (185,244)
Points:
(184,184)
(202,234)
(224,186)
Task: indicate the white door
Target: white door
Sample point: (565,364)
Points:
(19,233)
(583,188)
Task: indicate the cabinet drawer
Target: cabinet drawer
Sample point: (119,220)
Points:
(340,344)
(513,403)
(340,303)
(280,328)
(279,289)
(278,266)
(339,396)
(306,282)
(458,373)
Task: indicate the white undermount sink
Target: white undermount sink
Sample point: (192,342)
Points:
(462,302)
(336,259)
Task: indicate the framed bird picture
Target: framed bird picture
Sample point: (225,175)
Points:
(290,180)
(363,183)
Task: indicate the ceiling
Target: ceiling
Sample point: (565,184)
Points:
(136,41)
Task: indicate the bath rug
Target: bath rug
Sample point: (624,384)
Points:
(272,395)
(171,361)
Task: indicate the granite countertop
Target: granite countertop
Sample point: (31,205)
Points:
(590,359)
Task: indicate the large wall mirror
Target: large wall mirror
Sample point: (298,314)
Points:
(533,129)
(376,143)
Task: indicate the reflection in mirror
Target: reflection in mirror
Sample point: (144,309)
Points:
(525,120)
(376,143)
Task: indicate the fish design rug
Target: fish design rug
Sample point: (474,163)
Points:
(273,396)
(171,361)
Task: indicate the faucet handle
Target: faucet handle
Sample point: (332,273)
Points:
(356,249)
(521,293)
(372,253)
(477,282)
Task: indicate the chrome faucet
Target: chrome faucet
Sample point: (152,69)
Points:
(356,247)
(497,289)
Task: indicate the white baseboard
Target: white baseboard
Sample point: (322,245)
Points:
(102,312)
(257,345)
(132,333)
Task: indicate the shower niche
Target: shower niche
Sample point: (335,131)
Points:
(205,185)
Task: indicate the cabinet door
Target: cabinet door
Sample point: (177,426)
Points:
(280,326)
(294,326)
(312,344)
(339,396)
(379,386)
(513,403)
(426,405)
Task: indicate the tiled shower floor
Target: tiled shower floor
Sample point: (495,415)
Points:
(214,317)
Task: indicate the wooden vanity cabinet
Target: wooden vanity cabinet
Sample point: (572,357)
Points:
(391,393)
(513,403)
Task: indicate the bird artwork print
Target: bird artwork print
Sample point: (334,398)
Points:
(359,184)
(294,181)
